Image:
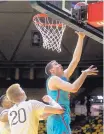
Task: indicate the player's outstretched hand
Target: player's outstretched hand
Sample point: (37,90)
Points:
(47,98)
(91,70)
(80,34)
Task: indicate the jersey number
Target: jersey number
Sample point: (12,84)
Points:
(17,116)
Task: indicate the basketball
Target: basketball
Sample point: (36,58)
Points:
(79,5)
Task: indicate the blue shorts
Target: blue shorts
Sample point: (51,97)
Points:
(58,124)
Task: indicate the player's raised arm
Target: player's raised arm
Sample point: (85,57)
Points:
(76,56)
(42,108)
(55,108)
(48,99)
(56,83)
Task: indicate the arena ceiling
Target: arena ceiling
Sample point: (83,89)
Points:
(16,28)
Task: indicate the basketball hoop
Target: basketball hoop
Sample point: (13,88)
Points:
(51,31)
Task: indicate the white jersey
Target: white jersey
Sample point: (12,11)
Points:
(4,127)
(24,117)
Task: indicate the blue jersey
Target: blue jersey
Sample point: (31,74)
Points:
(62,121)
(59,96)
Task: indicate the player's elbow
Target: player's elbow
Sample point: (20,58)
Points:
(74,89)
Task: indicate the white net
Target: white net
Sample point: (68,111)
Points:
(51,31)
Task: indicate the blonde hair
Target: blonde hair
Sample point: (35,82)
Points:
(13,92)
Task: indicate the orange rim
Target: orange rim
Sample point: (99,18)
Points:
(45,24)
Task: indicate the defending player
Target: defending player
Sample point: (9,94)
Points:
(24,115)
(5,104)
